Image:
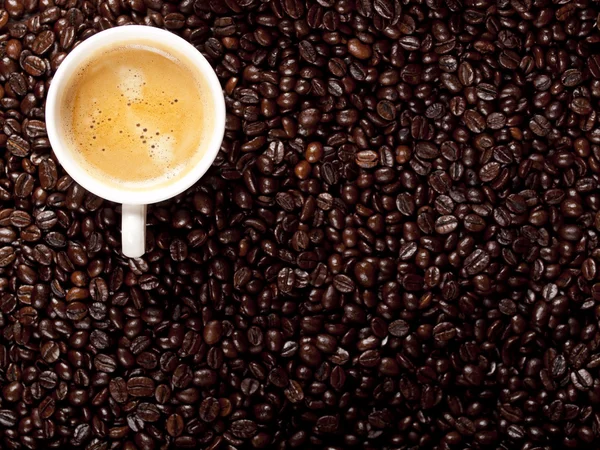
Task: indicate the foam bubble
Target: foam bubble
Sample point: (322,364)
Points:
(132,83)
(163,150)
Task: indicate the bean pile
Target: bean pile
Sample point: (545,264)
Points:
(397,247)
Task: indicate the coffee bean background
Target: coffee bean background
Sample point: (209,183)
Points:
(396,248)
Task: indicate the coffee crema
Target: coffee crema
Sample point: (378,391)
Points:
(137,116)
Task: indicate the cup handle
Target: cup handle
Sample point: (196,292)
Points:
(133,230)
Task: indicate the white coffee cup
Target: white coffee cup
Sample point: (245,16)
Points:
(134,201)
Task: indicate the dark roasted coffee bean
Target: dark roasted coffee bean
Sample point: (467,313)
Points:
(7,256)
(18,146)
(43,42)
(571,77)
(293,8)
(148,412)
(243,428)
(140,387)
(426,150)
(474,121)
(582,380)
(8,418)
(174,425)
(444,331)
(118,390)
(446,224)
(34,65)
(209,409)
(105,363)
(539,125)
(386,110)
(343,283)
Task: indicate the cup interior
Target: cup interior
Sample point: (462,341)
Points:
(82,55)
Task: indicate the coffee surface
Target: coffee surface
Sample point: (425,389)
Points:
(136,115)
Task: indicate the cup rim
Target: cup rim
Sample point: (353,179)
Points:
(163,39)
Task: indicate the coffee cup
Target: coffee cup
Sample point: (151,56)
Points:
(69,108)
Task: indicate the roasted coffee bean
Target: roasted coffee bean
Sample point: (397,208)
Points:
(50,351)
(294,392)
(426,150)
(213,332)
(496,121)
(582,380)
(34,65)
(118,390)
(366,159)
(386,110)
(48,174)
(209,409)
(17,84)
(105,363)
(490,171)
(18,146)
(174,425)
(446,224)
(43,42)
(7,256)
(148,412)
(399,328)
(444,331)
(343,283)
(571,77)
(476,262)
(243,428)
(140,387)
(540,125)
(8,418)
(474,121)
(474,223)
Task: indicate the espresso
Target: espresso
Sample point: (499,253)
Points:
(137,116)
